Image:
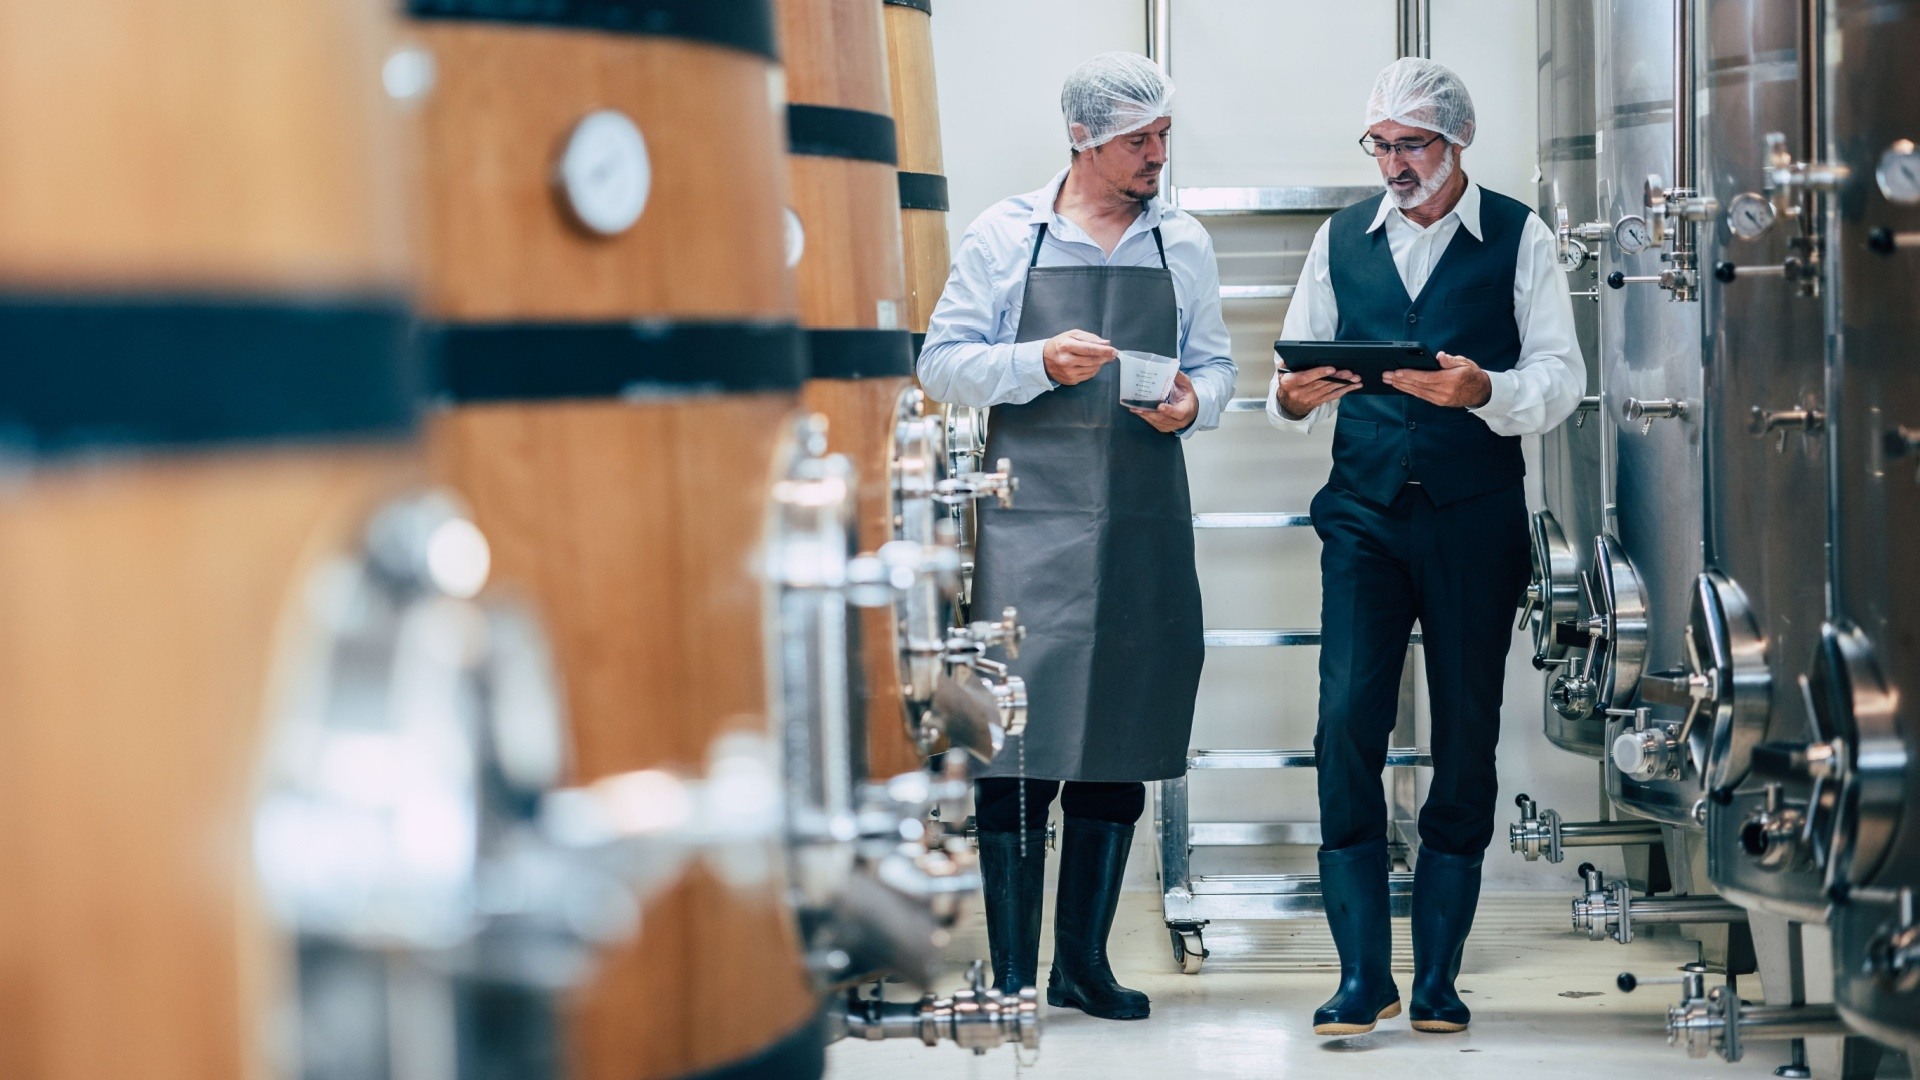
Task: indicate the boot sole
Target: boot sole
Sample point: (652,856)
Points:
(1438,1027)
(1387,1013)
(1065,1001)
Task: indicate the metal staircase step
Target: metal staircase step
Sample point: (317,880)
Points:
(1253,639)
(1251,521)
(1398,757)
(1272,896)
(1256,292)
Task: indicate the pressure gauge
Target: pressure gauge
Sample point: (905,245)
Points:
(1572,254)
(1899,173)
(1632,235)
(604,173)
(1749,215)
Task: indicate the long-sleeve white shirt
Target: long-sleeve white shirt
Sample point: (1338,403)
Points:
(1546,385)
(970,357)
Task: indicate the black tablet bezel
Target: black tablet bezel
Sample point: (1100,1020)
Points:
(1367,359)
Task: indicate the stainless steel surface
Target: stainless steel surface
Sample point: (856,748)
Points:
(1571,461)
(1219,201)
(1251,639)
(1755,617)
(1399,757)
(1413,28)
(1251,521)
(1871,671)
(1649,353)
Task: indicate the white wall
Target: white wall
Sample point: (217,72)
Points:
(1270,93)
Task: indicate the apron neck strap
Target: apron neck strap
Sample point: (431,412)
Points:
(1040,239)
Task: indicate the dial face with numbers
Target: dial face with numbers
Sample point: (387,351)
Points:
(1573,254)
(1632,234)
(604,173)
(1899,173)
(1749,215)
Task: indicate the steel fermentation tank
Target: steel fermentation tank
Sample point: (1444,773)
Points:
(1869,660)
(1757,610)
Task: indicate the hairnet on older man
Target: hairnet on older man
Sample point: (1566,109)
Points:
(1113,94)
(1420,93)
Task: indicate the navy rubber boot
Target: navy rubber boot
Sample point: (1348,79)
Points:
(1093,860)
(1446,889)
(1353,883)
(1014,883)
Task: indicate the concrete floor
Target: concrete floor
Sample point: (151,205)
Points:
(1544,1002)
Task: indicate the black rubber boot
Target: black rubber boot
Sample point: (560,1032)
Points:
(1014,887)
(1446,889)
(1093,860)
(1353,883)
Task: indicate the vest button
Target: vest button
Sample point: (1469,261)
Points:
(1411,425)
(1404,463)
(1413,318)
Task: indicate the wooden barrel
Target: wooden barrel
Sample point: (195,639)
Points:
(923,181)
(205,386)
(842,160)
(614,320)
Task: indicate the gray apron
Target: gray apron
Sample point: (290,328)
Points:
(1097,550)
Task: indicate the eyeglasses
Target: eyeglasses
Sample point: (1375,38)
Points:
(1406,148)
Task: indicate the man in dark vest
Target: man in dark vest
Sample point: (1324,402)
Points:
(1047,289)
(1424,518)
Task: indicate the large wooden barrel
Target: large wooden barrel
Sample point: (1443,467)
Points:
(204,385)
(615,327)
(923,180)
(842,160)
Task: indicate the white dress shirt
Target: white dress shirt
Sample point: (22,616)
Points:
(970,357)
(1542,389)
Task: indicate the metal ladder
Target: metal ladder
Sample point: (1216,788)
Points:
(1191,901)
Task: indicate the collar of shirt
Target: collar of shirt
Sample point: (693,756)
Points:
(1467,210)
(1064,230)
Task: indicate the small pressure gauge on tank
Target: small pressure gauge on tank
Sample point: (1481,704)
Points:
(1632,235)
(1749,216)
(1899,173)
(604,175)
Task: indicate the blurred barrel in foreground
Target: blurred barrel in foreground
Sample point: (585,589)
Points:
(845,245)
(204,385)
(923,181)
(615,333)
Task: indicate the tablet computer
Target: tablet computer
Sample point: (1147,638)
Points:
(1367,359)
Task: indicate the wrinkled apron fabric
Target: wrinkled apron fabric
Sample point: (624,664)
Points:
(1097,551)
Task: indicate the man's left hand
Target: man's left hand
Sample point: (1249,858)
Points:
(1459,384)
(1175,413)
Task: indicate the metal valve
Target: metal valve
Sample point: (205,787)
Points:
(1778,422)
(1611,910)
(1588,406)
(1774,833)
(977,1018)
(1646,412)
(998,485)
(1786,177)
(1575,248)
(1006,632)
(1648,752)
(1716,1020)
(1887,241)
(1893,954)
(1537,832)
(1792,269)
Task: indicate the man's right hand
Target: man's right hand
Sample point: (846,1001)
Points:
(1076,356)
(1301,392)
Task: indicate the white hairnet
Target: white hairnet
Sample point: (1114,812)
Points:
(1420,93)
(1113,94)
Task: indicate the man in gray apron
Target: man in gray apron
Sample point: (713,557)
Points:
(1097,554)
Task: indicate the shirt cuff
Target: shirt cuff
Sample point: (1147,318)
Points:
(1500,400)
(1030,367)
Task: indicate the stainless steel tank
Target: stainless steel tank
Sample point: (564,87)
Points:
(1645,561)
(1756,612)
(1866,679)
(1570,456)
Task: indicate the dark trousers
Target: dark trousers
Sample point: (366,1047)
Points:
(1459,570)
(996,802)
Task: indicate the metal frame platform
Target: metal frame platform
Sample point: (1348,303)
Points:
(1190,901)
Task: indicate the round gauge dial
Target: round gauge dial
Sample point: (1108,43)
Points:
(604,173)
(1899,173)
(1632,234)
(1749,215)
(1572,254)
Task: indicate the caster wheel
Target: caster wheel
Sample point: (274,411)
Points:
(1189,949)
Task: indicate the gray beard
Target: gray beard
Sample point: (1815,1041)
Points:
(1428,188)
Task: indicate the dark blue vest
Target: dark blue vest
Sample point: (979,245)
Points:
(1381,441)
